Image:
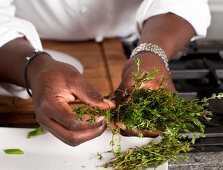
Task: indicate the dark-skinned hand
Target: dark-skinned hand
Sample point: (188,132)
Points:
(55,84)
(148,62)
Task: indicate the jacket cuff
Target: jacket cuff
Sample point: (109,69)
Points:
(196,12)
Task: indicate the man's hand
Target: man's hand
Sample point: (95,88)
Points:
(170,32)
(55,84)
(127,81)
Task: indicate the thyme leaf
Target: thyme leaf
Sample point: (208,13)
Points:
(158,110)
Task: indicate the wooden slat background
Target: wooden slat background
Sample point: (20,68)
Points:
(102,69)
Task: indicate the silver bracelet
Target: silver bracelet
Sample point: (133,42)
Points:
(153,48)
(29,59)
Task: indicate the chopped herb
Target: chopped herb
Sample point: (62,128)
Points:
(99,156)
(14,151)
(35,132)
(158,110)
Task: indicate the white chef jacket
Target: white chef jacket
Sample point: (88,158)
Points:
(89,19)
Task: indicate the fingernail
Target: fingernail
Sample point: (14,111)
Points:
(121,125)
(110,103)
(101,118)
(104,122)
(114,97)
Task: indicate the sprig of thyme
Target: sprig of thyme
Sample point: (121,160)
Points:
(158,110)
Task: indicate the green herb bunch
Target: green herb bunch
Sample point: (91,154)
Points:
(159,110)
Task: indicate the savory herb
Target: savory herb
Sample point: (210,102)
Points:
(99,156)
(35,132)
(158,110)
(14,151)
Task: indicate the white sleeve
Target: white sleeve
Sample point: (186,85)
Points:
(12,27)
(196,12)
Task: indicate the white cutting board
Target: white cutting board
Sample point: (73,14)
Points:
(46,152)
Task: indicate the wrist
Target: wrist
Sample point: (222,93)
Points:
(35,67)
(151,48)
(148,61)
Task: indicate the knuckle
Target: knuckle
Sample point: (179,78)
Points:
(73,140)
(72,125)
(77,80)
(99,133)
(93,94)
(43,105)
(38,118)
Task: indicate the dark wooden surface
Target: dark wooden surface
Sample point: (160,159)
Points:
(102,69)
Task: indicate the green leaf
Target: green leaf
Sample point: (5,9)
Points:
(14,151)
(157,110)
(99,156)
(35,132)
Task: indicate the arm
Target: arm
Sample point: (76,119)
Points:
(11,28)
(170,25)
(170,32)
(54,84)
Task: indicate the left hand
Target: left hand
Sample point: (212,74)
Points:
(171,33)
(148,62)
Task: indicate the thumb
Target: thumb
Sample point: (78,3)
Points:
(121,92)
(84,92)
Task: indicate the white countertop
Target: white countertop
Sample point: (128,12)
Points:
(45,152)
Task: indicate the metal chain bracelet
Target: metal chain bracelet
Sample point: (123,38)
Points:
(153,48)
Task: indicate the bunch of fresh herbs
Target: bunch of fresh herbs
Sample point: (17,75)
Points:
(161,111)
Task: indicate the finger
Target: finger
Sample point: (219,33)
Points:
(83,91)
(165,80)
(60,111)
(69,137)
(127,132)
(152,85)
(121,92)
(148,133)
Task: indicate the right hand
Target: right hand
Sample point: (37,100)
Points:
(54,84)
(148,62)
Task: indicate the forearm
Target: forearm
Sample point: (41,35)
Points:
(12,60)
(168,31)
